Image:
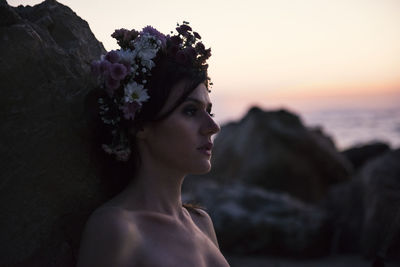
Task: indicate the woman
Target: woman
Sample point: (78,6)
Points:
(155,116)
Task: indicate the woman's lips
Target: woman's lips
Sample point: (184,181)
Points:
(205,151)
(206,148)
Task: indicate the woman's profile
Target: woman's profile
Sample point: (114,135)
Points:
(152,119)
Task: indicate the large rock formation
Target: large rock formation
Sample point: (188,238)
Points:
(46,187)
(365,212)
(250,220)
(381,223)
(360,154)
(274,150)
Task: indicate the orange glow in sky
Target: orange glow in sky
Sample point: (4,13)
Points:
(272,51)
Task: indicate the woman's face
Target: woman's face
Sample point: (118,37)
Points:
(182,141)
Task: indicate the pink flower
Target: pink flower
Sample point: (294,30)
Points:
(127,66)
(112,83)
(129,110)
(112,56)
(105,66)
(118,71)
(153,32)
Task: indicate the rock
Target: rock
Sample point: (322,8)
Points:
(46,178)
(274,150)
(381,225)
(360,154)
(365,212)
(249,220)
(345,210)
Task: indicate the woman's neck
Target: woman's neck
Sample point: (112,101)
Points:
(154,189)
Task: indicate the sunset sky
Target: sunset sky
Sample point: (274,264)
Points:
(300,54)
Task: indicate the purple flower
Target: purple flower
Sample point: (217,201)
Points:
(118,71)
(112,56)
(112,83)
(127,66)
(95,67)
(105,66)
(152,31)
(129,110)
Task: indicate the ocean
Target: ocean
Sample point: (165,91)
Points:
(347,125)
(353,126)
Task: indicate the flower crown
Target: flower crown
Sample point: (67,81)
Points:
(124,73)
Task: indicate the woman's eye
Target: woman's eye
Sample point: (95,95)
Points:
(190,111)
(211,114)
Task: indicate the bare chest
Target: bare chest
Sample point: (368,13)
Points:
(169,244)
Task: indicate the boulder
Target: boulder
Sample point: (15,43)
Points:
(365,212)
(274,150)
(360,154)
(250,220)
(381,222)
(345,210)
(47,187)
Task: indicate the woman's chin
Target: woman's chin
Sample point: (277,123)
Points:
(203,169)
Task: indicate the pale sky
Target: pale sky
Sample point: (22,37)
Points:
(293,53)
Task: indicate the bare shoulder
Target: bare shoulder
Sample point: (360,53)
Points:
(109,233)
(203,220)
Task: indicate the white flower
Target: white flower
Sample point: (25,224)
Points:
(146,47)
(148,63)
(147,53)
(135,92)
(126,55)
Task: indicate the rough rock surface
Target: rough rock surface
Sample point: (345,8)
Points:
(381,223)
(46,188)
(274,150)
(249,220)
(365,213)
(359,155)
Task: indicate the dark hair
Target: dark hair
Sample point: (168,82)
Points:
(115,175)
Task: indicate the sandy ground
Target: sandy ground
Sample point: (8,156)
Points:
(332,261)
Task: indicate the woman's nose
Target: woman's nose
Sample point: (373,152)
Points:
(210,127)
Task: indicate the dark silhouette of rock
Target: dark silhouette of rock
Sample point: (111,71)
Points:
(345,209)
(249,220)
(46,183)
(274,150)
(381,226)
(365,212)
(360,154)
